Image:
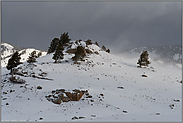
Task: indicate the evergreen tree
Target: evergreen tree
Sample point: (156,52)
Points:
(104,48)
(58,53)
(53,45)
(32,57)
(97,44)
(143,61)
(108,50)
(89,42)
(39,54)
(64,38)
(13,62)
(80,53)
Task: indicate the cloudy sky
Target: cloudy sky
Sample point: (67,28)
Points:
(117,25)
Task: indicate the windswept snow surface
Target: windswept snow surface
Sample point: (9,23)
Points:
(127,96)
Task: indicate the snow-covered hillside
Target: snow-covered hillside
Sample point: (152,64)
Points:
(119,91)
(7,51)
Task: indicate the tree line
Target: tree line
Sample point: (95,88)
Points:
(57,47)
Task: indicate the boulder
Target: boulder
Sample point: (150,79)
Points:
(144,75)
(61,95)
(39,87)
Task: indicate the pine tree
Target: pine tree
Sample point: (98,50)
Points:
(13,62)
(108,50)
(32,57)
(58,53)
(64,38)
(53,45)
(104,48)
(143,61)
(80,53)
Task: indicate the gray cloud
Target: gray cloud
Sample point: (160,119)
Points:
(118,25)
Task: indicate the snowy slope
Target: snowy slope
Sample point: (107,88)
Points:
(7,51)
(118,90)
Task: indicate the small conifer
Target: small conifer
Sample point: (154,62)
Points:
(104,48)
(58,53)
(64,38)
(32,57)
(13,62)
(53,45)
(143,61)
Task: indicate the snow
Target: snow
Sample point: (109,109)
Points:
(7,45)
(177,56)
(9,51)
(74,45)
(142,97)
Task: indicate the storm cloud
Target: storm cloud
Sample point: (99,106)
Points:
(117,25)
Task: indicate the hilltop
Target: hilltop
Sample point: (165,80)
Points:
(116,89)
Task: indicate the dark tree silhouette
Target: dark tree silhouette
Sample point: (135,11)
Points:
(104,48)
(13,62)
(58,53)
(143,61)
(32,57)
(64,38)
(108,50)
(53,45)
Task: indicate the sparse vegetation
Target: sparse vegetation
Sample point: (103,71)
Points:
(64,38)
(13,62)
(80,53)
(32,57)
(143,61)
(53,45)
(58,53)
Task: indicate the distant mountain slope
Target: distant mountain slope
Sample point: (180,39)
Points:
(169,54)
(7,51)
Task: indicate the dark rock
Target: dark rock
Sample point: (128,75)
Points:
(12,91)
(81,117)
(39,87)
(53,91)
(92,100)
(121,87)
(4,92)
(171,106)
(75,118)
(125,111)
(93,115)
(101,94)
(176,100)
(7,103)
(40,118)
(89,51)
(144,75)
(4,98)
(62,90)
(157,113)
(96,52)
(89,96)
